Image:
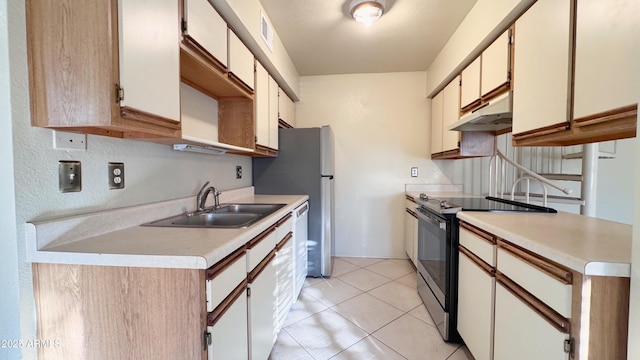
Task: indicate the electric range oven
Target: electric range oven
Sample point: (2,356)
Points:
(438,241)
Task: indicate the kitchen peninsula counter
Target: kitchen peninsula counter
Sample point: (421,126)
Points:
(587,245)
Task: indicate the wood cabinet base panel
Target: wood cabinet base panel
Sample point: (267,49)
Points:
(103,312)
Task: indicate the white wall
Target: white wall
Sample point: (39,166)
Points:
(381,129)
(10,299)
(153,173)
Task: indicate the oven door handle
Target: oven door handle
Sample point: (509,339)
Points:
(433,220)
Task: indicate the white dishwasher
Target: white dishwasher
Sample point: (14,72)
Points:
(300,239)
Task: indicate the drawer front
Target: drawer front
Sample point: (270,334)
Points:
(480,246)
(284,228)
(260,250)
(551,291)
(223,284)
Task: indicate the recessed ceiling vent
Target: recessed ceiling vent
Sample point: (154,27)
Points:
(266,31)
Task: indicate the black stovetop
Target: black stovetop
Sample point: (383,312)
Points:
(493,204)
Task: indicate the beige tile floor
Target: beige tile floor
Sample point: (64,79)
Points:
(368,309)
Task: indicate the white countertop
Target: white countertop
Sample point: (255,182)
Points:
(587,245)
(145,246)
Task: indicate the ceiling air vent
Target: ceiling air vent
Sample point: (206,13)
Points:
(266,31)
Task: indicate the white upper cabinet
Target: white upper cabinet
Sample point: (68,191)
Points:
(266,109)
(241,60)
(607,74)
(262,105)
(286,109)
(204,26)
(436,123)
(541,66)
(470,91)
(451,114)
(149,56)
(495,66)
(273,113)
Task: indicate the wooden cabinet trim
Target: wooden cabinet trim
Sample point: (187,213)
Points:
(488,269)
(190,42)
(501,89)
(605,116)
(490,238)
(220,310)
(284,241)
(541,131)
(476,103)
(263,235)
(240,83)
(283,124)
(225,263)
(145,117)
(412,213)
(264,151)
(410,198)
(550,268)
(284,219)
(261,266)
(556,320)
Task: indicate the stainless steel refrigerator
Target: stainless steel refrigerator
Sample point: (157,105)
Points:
(305,166)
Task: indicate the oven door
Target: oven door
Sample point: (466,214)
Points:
(432,253)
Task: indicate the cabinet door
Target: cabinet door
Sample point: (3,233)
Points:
(229,336)
(262,311)
(273,113)
(495,66)
(241,60)
(470,91)
(451,114)
(414,222)
(541,66)
(206,28)
(262,106)
(520,333)
(476,289)
(408,235)
(436,123)
(607,56)
(285,275)
(150,57)
(291,112)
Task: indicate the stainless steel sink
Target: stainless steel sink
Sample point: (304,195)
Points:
(227,216)
(261,209)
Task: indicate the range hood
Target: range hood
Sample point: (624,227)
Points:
(492,116)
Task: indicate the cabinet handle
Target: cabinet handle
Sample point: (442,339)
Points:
(556,320)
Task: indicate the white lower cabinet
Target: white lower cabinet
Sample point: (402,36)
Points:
(520,333)
(229,335)
(475,307)
(262,308)
(285,279)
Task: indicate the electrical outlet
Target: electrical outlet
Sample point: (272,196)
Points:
(238,172)
(414,172)
(69,176)
(69,141)
(116,175)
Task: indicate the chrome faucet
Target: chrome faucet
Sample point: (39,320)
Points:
(201,198)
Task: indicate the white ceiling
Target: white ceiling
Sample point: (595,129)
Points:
(321,37)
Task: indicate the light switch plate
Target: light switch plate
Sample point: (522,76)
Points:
(414,172)
(69,176)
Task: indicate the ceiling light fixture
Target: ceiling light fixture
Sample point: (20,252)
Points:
(366,11)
